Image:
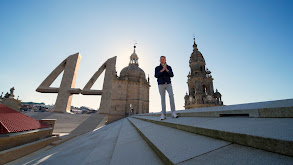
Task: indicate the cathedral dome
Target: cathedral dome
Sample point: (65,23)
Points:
(132,72)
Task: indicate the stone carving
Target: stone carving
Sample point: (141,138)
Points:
(66,90)
(70,67)
(6,95)
(11,95)
(110,74)
(131,87)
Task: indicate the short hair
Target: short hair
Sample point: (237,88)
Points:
(163,56)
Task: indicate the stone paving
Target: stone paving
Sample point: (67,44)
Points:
(144,139)
(132,149)
(92,148)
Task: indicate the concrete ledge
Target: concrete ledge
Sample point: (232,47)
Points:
(269,109)
(154,148)
(249,113)
(50,122)
(20,151)
(16,139)
(182,113)
(63,139)
(279,146)
(281,112)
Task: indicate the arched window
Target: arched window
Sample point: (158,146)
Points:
(204,89)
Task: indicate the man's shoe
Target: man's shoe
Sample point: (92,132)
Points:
(163,117)
(174,115)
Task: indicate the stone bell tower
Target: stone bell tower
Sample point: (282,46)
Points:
(200,83)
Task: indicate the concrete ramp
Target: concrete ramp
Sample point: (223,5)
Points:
(72,124)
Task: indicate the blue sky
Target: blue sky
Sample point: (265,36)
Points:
(246,44)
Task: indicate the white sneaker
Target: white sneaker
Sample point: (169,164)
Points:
(163,117)
(174,115)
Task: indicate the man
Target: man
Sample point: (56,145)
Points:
(163,73)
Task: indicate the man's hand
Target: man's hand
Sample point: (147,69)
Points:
(165,68)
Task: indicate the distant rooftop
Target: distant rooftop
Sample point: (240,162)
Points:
(12,121)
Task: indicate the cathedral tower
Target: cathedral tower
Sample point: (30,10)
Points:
(200,83)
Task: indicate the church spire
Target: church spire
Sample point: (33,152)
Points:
(134,48)
(133,57)
(194,44)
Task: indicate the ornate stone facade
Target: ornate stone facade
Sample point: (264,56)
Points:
(200,84)
(130,94)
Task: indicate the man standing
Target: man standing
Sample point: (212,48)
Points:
(163,73)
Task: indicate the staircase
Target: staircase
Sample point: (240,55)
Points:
(256,133)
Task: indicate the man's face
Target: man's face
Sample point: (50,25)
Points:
(163,60)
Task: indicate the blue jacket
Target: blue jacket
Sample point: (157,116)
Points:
(163,77)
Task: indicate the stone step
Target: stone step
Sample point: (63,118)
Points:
(180,147)
(240,155)
(268,109)
(132,149)
(175,146)
(270,134)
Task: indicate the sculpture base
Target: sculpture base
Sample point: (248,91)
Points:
(11,103)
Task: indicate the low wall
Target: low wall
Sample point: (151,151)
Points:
(11,140)
(50,122)
(20,151)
